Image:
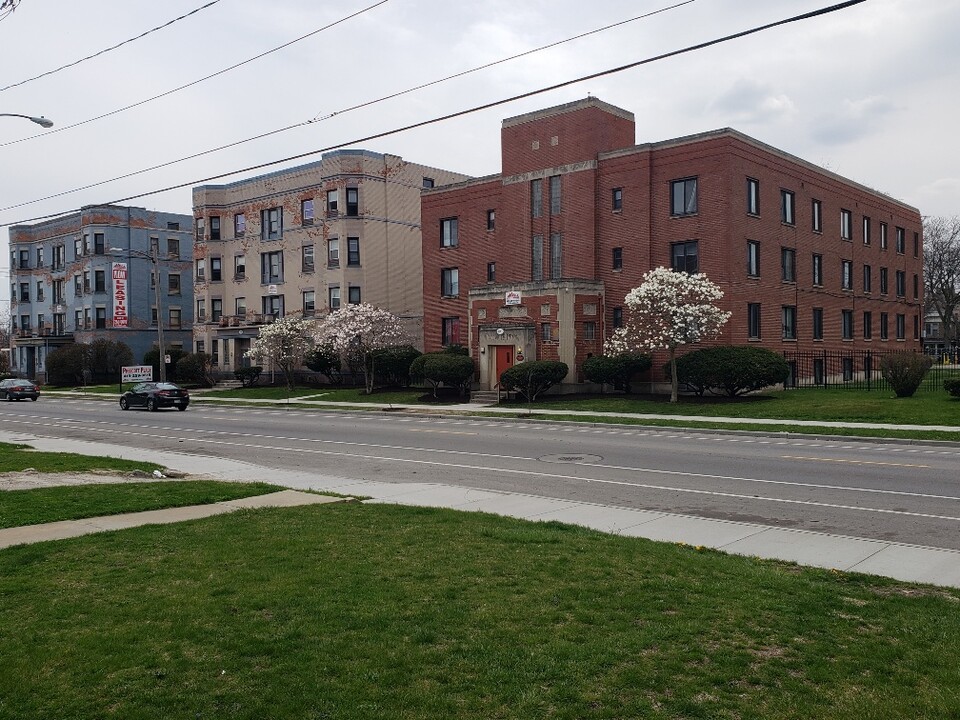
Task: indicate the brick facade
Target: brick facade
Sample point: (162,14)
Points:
(607,214)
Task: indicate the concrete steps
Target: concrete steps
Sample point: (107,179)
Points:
(485,397)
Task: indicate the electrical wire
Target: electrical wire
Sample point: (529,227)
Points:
(468,111)
(106,50)
(337,113)
(7,7)
(223,71)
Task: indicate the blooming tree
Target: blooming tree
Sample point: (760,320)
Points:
(668,310)
(361,329)
(284,344)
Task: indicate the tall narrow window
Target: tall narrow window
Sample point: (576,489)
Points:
(788,264)
(846,323)
(491,219)
(271,268)
(536,259)
(916,286)
(901,327)
(818,323)
(332,205)
(787,207)
(449,232)
(884,326)
(556,256)
(867,279)
(200,229)
(817,269)
(239,224)
(450,331)
(883,236)
(846,225)
(491,272)
(536,198)
(216,269)
(753,196)
(901,279)
(99,246)
(618,317)
(867,325)
(333,252)
(617,202)
(554,194)
(306,254)
(353,252)
(901,240)
(846,274)
(618,258)
(214,227)
(353,202)
(753,258)
(272,227)
(883,281)
(816,215)
(353,294)
(916,244)
(306,211)
(449,282)
(239,267)
(866,230)
(685,256)
(309,303)
(753,321)
(683,196)
(789,316)
(333,299)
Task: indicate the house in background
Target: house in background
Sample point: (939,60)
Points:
(304,241)
(89,275)
(535,262)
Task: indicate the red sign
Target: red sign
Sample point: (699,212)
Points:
(119,294)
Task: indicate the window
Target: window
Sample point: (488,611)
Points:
(753,258)
(450,331)
(536,198)
(39,257)
(239,267)
(333,299)
(617,203)
(353,202)
(86,281)
(866,230)
(867,279)
(816,215)
(174,318)
(201,346)
(901,327)
(333,252)
(25,322)
(846,274)
(846,225)
(867,325)
(215,352)
(214,227)
(39,291)
(101,318)
(554,194)
(787,207)
(78,320)
(272,306)
(306,212)
(58,292)
(545,332)
(87,247)
(271,227)
(24,259)
(883,281)
(846,321)
(884,326)
(901,240)
(589,330)
(901,280)
(684,256)
(753,196)
(618,258)
(428,182)
(556,256)
(59,257)
(491,272)
(271,268)
(240,307)
(173,284)
(353,252)
(753,321)
(817,269)
(618,317)
(153,316)
(883,236)
(216,309)
(331,203)
(916,244)
(353,295)
(78,284)
(199,229)
(173,226)
(449,282)
(201,310)
(536,272)
(789,322)
(916,327)
(239,224)
(306,256)
(916,287)
(449,232)
(491,219)
(309,303)
(788,264)
(683,197)
(216,269)
(78,248)
(173,248)
(818,323)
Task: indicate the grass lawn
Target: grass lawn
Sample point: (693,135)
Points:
(326,394)
(373,611)
(44,505)
(16,457)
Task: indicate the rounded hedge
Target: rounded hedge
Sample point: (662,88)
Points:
(533,377)
(731,370)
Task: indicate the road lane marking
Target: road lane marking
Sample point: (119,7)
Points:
(440,432)
(852,462)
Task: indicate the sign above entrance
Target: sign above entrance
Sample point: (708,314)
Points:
(512,297)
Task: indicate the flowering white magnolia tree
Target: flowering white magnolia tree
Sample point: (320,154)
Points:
(361,329)
(668,310)
(284,344)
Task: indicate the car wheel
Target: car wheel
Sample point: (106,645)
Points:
(124,405)
(33,399)
(151,405)
(181,408)
(9,397)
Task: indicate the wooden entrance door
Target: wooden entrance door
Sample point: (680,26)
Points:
(505,359)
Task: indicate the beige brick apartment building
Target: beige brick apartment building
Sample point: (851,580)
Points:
(304,241)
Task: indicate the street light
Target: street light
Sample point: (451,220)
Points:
(152,256)
(41,121)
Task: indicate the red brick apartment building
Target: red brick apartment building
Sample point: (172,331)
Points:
(534,263)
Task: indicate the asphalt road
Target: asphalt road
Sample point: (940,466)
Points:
(887,491)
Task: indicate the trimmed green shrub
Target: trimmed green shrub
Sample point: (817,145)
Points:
(731,370)
(66,364)
(194,368)
(455,350)
(248,376)
(392,365)
(905,371)
(533,377)
(105,358)
(616,370)
(327,362)
(952,386)
(443,368)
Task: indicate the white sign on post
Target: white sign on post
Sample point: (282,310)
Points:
(136,373)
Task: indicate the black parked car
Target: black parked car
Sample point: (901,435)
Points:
(155,395)
(14,389)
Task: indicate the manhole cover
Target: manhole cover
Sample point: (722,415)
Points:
(571,458)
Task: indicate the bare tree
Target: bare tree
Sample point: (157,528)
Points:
(941,271)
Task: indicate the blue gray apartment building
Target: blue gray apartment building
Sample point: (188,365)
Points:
(91,274)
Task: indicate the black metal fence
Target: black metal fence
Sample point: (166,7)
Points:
(858,369)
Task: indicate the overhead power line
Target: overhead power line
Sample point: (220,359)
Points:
(468,111)
(337,113)
(106,50)
(223,71)
(7,7)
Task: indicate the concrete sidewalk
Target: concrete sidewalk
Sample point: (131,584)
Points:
(911,563)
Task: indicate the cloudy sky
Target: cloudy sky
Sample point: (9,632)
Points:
(869,92)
